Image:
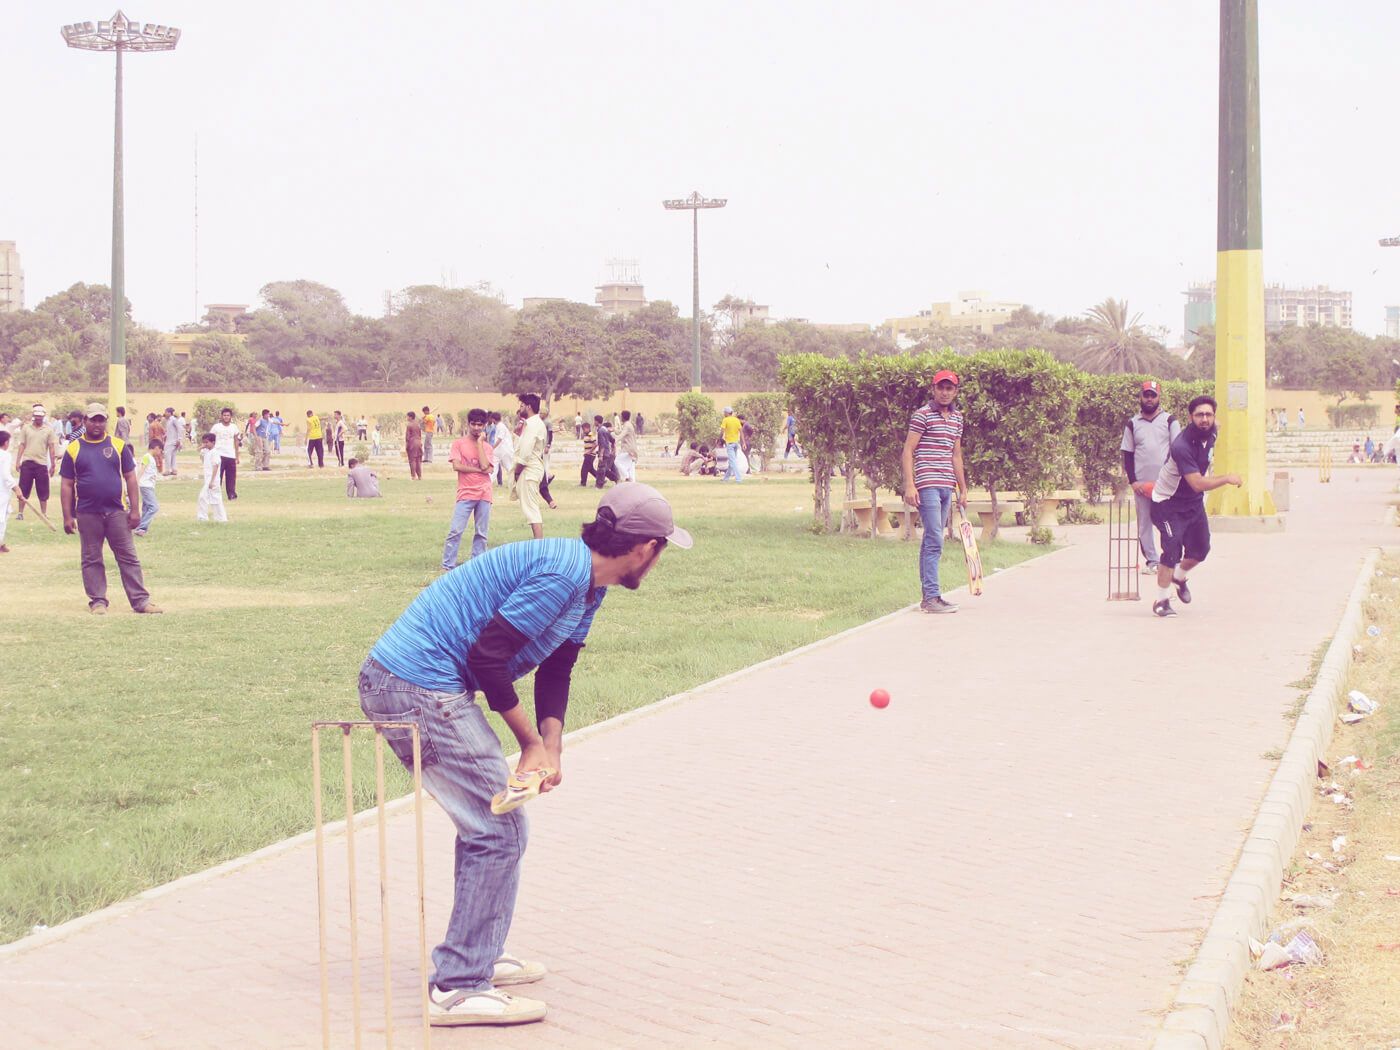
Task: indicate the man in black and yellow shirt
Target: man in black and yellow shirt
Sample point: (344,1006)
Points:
(96,469)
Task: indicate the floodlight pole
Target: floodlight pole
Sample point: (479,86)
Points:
(119,34)
(693,204)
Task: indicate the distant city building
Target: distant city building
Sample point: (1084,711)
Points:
(619,298)
(11,279)
(180,343)
(1392,322)
(225,314)
(972,309)
(746,313)
(1283,307)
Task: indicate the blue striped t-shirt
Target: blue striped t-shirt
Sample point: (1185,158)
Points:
(541,587)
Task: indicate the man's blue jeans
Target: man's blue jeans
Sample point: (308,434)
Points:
(934,507)
(149,506)
(466,508)
(732,471)
(462,767)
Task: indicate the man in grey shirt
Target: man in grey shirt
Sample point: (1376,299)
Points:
(361,482)
(1147,439)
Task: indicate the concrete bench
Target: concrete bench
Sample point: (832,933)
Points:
(990,521)
(898,518)
(1050,506)
(862,511)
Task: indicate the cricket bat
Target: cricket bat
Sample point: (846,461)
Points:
(36,510)
(971,554)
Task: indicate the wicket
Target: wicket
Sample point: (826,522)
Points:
(1324,463)
(346,729)
(1122,551)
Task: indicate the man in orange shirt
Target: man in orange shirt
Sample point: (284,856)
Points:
(429,429)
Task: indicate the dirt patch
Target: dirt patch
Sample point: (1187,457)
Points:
(1343,885)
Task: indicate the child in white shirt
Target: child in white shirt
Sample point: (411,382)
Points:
(211,500)
(7,483)
(146,482)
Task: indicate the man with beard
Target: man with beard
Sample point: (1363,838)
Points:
(1179,505)
(491,621)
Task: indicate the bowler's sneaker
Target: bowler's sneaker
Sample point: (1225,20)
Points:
(512,970)
(487,1006)
(1163,607)
(1182,592)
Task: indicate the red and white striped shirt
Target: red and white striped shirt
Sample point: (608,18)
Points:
(933,456)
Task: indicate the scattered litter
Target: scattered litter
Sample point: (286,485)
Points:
(1285,1024)
(1394,858)
(1352,719)
(1305,900)
(40,928)
(1299,951)
(1361,703)
(1338,843)
(1337,794)
(1323,771)
(1356,649)
(1389,947)
(1373,631)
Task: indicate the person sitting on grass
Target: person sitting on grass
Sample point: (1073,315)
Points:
(361,482)
(691,457)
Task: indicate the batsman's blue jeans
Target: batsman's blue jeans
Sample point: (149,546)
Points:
(934,507)
(731,449)
(462,767)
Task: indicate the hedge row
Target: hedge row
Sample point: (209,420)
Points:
(1033,424)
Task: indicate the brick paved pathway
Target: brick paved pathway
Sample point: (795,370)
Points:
(1019,852)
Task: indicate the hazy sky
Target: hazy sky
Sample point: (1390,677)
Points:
(876,157)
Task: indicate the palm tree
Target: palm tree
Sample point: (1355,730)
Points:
(1116,342)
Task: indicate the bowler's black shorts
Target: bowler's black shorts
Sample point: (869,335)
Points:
(1184,530)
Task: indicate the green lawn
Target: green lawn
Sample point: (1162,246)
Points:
(138,749)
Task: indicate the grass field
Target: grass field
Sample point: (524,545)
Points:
(138,749)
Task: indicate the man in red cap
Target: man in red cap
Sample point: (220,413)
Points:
(1147,438)
(933,475)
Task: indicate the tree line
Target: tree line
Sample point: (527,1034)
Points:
(302,333)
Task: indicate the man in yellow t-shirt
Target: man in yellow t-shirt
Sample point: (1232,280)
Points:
(313,439)
(730,428)
(429,429)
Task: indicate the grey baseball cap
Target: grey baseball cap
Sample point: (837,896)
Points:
(639,510)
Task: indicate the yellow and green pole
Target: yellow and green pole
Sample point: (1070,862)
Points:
(1239,283)
(116,370)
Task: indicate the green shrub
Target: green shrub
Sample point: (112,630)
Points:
(696,419)
(1353,417)
(766,413)
(207,409)
(390,424)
